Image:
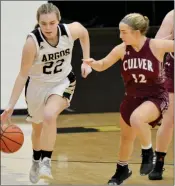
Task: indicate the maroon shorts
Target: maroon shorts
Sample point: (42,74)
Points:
(130,103)
(169,72)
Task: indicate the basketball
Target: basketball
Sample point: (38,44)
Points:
(12,138)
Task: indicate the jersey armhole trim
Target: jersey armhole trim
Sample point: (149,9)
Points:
(68,32)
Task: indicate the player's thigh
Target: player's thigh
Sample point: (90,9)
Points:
(59,97)
(55,105)
(35,97)
(146,112)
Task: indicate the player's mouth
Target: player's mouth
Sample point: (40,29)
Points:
(48,33)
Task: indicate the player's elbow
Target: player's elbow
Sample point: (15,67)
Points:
(24,75)
(24,72)
(100,70)
(84,34)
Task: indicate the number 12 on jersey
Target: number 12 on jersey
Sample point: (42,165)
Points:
(139,79)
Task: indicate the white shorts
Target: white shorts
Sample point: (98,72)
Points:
(37,94)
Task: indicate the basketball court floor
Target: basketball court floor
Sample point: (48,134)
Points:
(85,153)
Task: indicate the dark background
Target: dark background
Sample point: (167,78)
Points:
(109,13)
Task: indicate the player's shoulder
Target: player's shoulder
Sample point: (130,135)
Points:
(171,13)
(120,48)
(30,45)
(75,26)
(169,16)
(76,29)
(35,36)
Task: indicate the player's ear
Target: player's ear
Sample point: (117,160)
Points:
(137,32)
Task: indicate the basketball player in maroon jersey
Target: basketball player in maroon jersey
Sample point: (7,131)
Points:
(165,131)
(145,95)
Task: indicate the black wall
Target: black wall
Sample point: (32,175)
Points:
(109,13)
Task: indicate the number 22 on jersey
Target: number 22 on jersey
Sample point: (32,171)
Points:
(49,69)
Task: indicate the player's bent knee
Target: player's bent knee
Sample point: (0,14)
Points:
(49,117)
(135,120)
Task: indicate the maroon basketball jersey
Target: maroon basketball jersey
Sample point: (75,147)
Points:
(142,73)
(169,66)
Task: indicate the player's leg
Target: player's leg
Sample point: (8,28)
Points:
(54,106)
(127,139)
(36,134)
(35,94)
(57,100)
(163,139)
(165,131)
(144,114)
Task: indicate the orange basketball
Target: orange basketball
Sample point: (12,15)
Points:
(12,138)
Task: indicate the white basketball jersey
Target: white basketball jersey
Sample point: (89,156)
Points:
(52,64)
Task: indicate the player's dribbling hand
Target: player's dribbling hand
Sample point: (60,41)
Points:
(6,116)
(85,70)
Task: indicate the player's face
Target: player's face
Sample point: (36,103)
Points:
(127,35)
(49,24)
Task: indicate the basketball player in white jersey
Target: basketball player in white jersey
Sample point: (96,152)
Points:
(46,60)
(165,131)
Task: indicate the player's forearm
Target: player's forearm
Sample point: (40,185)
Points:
(17,90)
(168,37)
(98,65)
(85,44)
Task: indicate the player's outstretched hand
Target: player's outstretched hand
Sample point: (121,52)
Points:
(88,61)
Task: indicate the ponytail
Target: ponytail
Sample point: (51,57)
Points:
(36,26)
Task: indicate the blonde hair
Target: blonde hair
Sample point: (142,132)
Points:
(137,22)
(45,9)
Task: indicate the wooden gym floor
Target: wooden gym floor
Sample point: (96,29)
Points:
(85,153)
